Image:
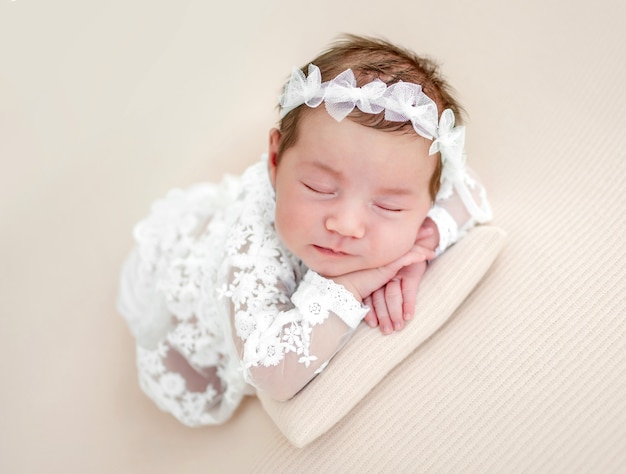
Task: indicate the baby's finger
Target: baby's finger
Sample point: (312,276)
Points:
(422,253)
(427,252)
(409,296)
(380,305)
(415,255)
(424,232)
(393,299)
(370,318)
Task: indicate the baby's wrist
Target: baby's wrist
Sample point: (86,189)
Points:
(343,281)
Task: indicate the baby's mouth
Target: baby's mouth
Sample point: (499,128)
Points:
(329,251)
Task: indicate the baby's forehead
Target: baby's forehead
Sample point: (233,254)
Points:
(319,121)
(323,136)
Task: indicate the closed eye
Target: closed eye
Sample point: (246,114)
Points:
(389,208)
(316,189)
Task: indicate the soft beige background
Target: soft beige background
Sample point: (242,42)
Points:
(106,105)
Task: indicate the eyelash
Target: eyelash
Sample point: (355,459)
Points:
(326,193)
(388,209)
(310,188)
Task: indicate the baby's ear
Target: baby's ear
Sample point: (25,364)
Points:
(272,156)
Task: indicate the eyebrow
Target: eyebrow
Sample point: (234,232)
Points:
(325,167)
(396,191)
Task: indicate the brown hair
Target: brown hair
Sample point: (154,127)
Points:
(369,59)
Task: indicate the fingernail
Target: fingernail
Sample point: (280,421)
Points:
(408,316)
(387,329)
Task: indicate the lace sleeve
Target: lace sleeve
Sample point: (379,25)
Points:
(458,208)
(286,337)
(286,322)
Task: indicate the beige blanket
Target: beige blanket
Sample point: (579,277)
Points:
(106,105)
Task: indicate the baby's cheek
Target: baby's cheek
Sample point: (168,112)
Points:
(410,234)
(396,242)
(283,229)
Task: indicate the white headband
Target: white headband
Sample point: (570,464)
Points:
(401,102)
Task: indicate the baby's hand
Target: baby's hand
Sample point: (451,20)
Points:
(394,303)
(363,282)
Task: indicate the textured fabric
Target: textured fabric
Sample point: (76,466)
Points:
(333,394)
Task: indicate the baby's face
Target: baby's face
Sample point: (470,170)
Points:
(349,197)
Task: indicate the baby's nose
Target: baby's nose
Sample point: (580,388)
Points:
(347,220)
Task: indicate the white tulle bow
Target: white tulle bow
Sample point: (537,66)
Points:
(450,142)
(406,101)
(302,90)
(341,95)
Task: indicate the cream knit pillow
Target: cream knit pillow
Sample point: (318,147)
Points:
(369,356)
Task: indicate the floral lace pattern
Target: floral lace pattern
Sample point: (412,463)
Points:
(447,227)
(275,310)
(169,389)
(209,283)
(217,304)
(318,296)
(165,300)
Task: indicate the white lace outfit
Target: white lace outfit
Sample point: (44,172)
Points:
(218,305)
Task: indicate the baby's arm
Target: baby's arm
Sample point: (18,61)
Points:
(458,208)
(394,303)
(363,282)
(284,335)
